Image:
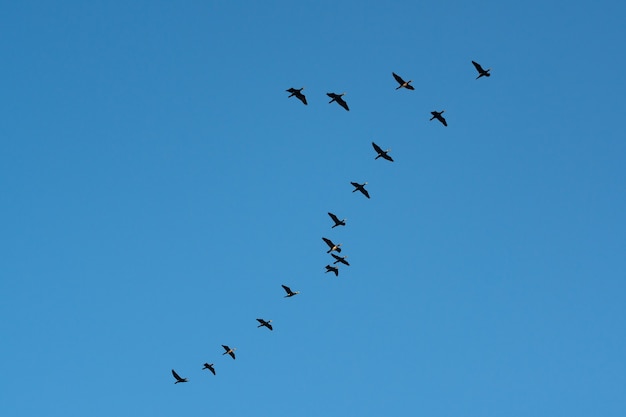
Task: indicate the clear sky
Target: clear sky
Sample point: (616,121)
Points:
(157,186)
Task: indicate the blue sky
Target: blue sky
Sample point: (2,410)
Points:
(158,187)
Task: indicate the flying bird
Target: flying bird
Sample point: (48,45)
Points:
(361,188)
(381,153)
(331,245)
(330,268)
(265,323)
(341,259)
(438,115)
(338,222)
(405,84)
(337,98)
(289,292)
(481,71)
(210,367)
(230,351)
(178,378)
(298,93)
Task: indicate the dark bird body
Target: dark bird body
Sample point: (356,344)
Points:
(230,351)
(178,378)
(381,153)
(210,367)
(405,84)
(298,93)
(330,268)
(361,188)
(338,99)
(341,259)
(338,222)
(289,292)
(265,323)
(481,72)
(331,245)
(438,115)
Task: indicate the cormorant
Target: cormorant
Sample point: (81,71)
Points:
(298,93)
(289,292)
(230,351)
(405,84)
(481,71)
(361,188)
(381,153)
(338,222)
(331,245)
(210,367)
(337,98)
(178,378)
(438,115)
(265,323)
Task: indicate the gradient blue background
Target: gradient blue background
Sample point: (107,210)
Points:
(157,188)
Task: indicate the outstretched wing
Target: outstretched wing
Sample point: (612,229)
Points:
(398,78)
(232,354)
(364,191)
(226,348)
(212,370)
(292,90)
(328,242)
(302,98)
(442,120)
(178,378)
(335,218)
(378,149)
(478,67)
(342,103)
(287,289)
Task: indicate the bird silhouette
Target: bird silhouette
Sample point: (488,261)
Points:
(338,222)
(381,153)
(402,83)
(209,366)
(230,351)
(178,378)
(298,93)
(361,188)
(289,292)
(481,72)
(330,268)
(338,99)
(438,115)
(331,245)
(341,259)
(265,323)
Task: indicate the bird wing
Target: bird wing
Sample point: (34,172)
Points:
(287,289)
(387,157)
(328,242)
(178,378)
(410,87)
(269,326)
(364,191)
(342,103)
(212,369)
(441,118)
(335,218)
(398,78)
(478,67)
(226,348)
(378,149)
(332,95)
(302,98)
(339,258)
(291,90)
(232,354)
(355,184)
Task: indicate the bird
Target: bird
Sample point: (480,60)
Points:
(338,222)
(337,98)
(381,153)
(361,188)
(210,367)
(230,351)
(330,268)
(481,71)
(289,292)
(405,84)
(438,115)
(331,245)
(265,323)
(178,378)
(341,259)
(298,93)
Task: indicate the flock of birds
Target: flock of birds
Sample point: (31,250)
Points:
(335,247)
